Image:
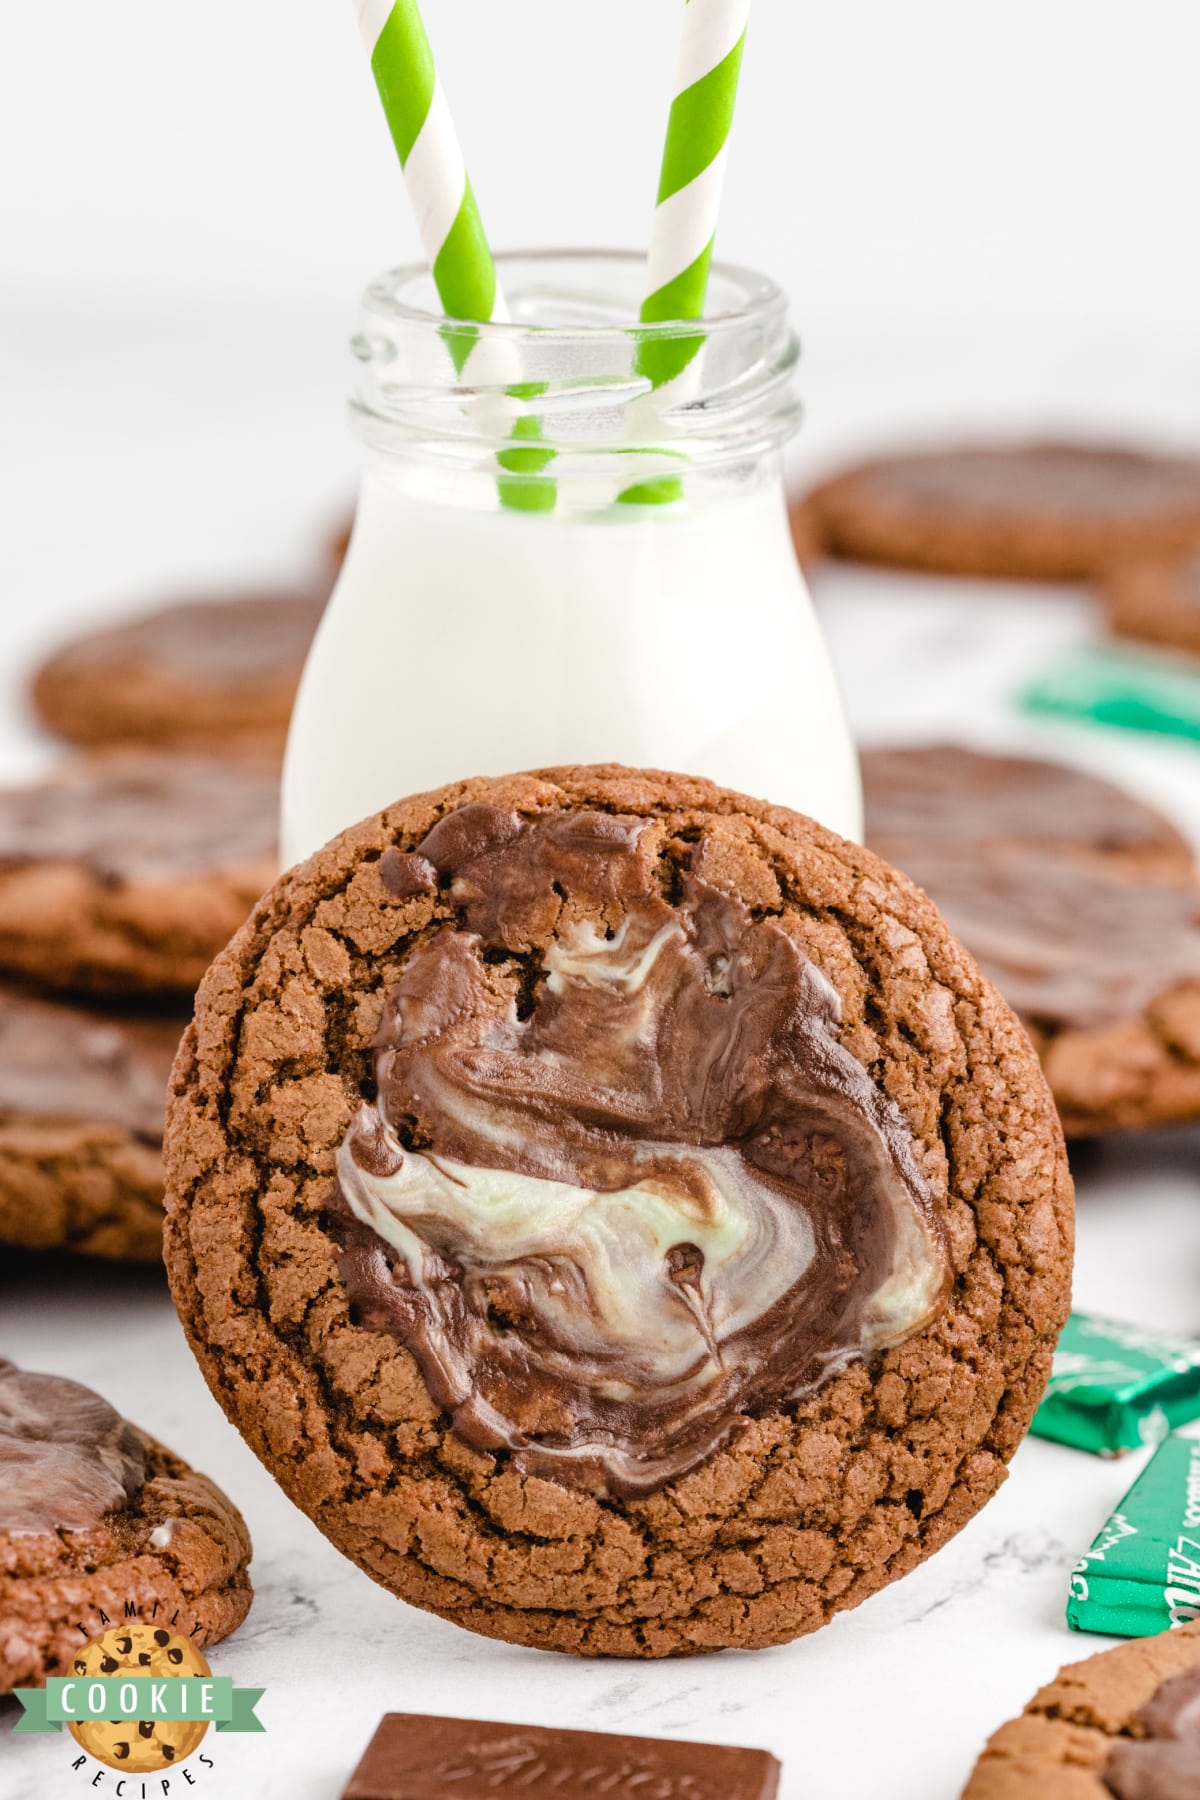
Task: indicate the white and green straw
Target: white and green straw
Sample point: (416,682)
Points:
(448,218)
(414,104)
(689,197)
(693,171)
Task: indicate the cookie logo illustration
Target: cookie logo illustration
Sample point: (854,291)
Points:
(139,1698)
(141,1746)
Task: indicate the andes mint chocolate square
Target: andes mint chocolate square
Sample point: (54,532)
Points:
(417,1758)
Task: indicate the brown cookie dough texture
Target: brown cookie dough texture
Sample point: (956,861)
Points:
(1042,512)
(127,872)
(1123,1725)
(811,1505)
(203,675)
(82,1099)
(94,1517)
(1079,902)
(1157,602)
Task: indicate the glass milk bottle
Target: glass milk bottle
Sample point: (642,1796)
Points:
(554,562)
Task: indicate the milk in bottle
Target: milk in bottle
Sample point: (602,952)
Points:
(580,570)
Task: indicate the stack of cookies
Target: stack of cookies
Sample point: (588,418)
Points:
(122,875)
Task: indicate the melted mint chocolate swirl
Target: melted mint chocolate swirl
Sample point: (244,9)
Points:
(621,1186)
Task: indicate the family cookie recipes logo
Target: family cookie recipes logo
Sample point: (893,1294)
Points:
(140,1698)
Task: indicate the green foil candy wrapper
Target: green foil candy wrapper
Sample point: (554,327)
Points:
(1142,1573)
(1115,1387)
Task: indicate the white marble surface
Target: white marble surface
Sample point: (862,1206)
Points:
(122,476)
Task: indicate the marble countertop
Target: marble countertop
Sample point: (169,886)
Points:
(893,1699)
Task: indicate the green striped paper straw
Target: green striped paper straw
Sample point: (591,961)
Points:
(689,196)
(447,212)
(414,104)
(693,175)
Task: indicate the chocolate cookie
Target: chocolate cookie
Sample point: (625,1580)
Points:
(947,795)
(1124,1725)
(1044,512)
(82,1097)
(1087,918)
(128,872)
(806,535)
(1158,602)
(94,1517)
(617,1211)
(216,675)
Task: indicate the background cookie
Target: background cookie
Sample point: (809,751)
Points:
(128,872)
(1157,602)
(82,1098)
(813,1505)
(1114,1727)
(1087,918)
(95,1515)
(202,675)
(1045,512)
(949,794)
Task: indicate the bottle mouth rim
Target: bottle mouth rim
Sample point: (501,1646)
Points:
(576,377)
(744,298)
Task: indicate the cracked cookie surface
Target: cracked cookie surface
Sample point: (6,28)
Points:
(814,1504)
(1123,1725)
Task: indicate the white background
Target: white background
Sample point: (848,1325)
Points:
(1037,156)
(985,216)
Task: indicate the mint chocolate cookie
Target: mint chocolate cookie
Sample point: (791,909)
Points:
(1043,512)
(1081,903)
(97,1519)
(1157,601)
(1124,1725)
(126,873)
(209,675)
(82,1099)
(617,1211)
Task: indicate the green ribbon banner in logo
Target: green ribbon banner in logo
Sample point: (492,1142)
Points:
(74,1700)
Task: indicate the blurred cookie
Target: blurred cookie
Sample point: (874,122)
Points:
(82,1100)
(339,542)
(1123,1725)
(1044,512)
(806,535)
(1087,918)
(617,1211)
(127,872)
(218,675)
(1158,602)
(96,1516)
(948,794)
